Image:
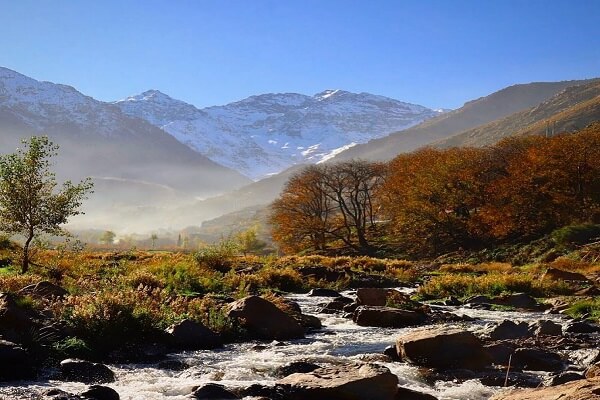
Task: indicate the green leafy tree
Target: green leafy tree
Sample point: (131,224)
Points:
(153,238)
(249,242)
(29,203)
(108,237)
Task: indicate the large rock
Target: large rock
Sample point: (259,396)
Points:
(536,360)
(518,300)
(85,372)
(295,368)
(213,391)
(386,317)
(442,348)
(342,382)
(409,394)
(578,390)
(15,363)
(555,274)
(545,327)
(322,292)
(193,335)
(44,290)
(97,392)
(593,372)
(372,296)
(264,320)
(509,330)
(582,327)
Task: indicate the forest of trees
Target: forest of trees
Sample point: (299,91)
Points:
(436,200)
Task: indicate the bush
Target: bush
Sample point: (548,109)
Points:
(589,308)
(576,234)
(217,256)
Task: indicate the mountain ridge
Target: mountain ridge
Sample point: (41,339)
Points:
(267,133)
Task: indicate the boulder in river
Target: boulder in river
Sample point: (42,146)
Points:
(322,292)
(213,391)
(442,347)
(342,382)
(584,389)
(263,320)
(372,296)
(295,367)
(188,334)
(85,371)
(386,317)
(97,392)
(545,327)
(582,327)
(536,360)
(409,394)
(509,330)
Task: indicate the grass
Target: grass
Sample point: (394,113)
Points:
(589,308)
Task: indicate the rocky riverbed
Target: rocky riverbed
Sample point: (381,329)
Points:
(458,351)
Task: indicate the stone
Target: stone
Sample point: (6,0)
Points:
(555,274)
(582,327)
(509,330)
(593,371)
(564,377)
(442,347)
(310,321)
(15,321)
(515,379)
(386,317)
(583,389)
(518,300)
(391,352)
(263,320)
(545,327)
(342,382)
(85,372)
(44,290)
(213,391)
(295,367)
(409,394)
(320,292)
(15,363)
(372,296)
(536,360)
(192,335)
(97,392)
(500,352)
(452,301)
(333,307)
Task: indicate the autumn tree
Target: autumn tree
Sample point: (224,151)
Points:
(249,242)
(328,204)
(300,217)
(29,204)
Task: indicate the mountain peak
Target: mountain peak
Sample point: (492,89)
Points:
(326,94)
(149,95)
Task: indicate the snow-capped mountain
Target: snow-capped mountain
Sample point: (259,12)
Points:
(98,139)
(265,134)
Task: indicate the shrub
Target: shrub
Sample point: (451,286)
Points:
(217,256)
(576,234)
(589,308)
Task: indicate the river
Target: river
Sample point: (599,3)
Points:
(240,365)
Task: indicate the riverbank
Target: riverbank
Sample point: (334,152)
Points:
(117,309)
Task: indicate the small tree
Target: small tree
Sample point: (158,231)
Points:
(28,204)
(108,237)
(153,238)
(249,242)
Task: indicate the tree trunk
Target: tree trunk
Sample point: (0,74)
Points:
(25,263)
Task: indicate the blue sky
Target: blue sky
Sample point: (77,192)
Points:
(434,53)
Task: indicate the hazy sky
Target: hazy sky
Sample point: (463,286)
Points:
(434,53)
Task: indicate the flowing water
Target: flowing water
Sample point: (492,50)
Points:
(240,365)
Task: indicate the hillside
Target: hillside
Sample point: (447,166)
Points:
(571,109)
(268,133)
(474,113)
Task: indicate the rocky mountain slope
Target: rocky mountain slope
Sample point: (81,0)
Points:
(573,108)
(266,134)
(473,114)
